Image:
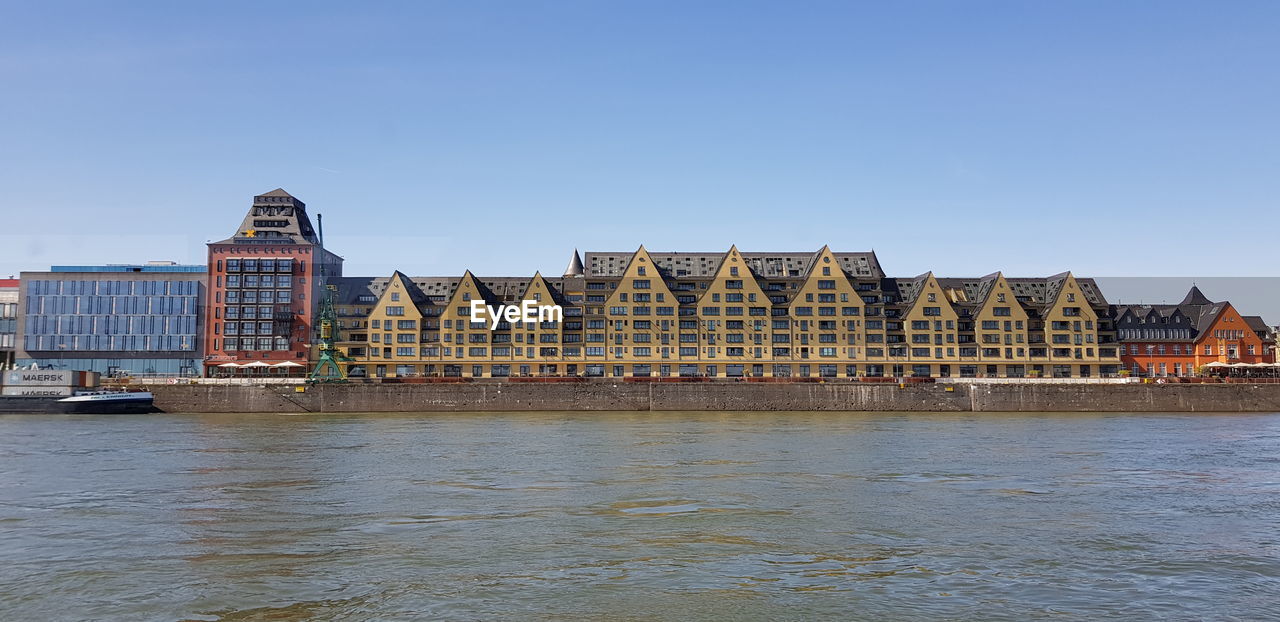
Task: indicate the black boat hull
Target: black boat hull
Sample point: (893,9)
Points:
(52,405)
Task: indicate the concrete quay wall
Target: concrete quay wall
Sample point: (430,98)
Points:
(715,396)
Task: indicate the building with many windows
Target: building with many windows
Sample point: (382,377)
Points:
(8,321)
(818,314)
(113,319)
(265,285)
(1161,340)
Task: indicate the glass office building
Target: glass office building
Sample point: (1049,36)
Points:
(117,320)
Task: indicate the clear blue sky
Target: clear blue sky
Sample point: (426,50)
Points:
(1109,138)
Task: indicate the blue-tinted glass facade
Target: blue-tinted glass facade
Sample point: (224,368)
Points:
(105,315)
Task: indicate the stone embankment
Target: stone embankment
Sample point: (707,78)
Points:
(718,396)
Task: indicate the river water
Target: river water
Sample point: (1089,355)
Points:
(640,516)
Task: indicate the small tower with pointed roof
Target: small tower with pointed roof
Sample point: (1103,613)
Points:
(1195,297)
(574,269)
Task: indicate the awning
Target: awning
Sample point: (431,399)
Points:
(229,365)
(256,364)
(288,364)
(1216,364)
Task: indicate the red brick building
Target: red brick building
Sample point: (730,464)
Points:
(1177,340)
(265,284)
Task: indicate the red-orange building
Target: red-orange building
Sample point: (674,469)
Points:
(1178,339)
(265,285)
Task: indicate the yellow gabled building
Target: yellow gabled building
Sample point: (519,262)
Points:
(730,314)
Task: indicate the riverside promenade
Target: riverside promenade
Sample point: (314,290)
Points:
(608,395)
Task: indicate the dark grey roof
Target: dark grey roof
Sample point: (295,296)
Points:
(1195,297)
(575,265)
(1257,324)
(275,217)
(437,290)
(350,288)
(909,289)
(1196,310)
(704,265)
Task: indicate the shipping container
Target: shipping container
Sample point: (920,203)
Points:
(50,378)
(37,391)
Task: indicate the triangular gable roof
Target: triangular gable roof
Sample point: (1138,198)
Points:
(909,289)
(415,294)
(918,285)
(557,296)
(1053,288)
(481,289)
(813,260)
(635,256)
(987,286)
(748,278)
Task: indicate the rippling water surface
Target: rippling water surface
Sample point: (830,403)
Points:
(640,516)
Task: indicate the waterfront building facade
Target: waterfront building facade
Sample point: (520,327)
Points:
(8,322)
(816,314)
(1175,340)
(265,286)
(143,319)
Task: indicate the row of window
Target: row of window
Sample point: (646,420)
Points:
(49,287)
(691,311)
(938,353)
(1153,333)
(250,296)
(265,281)
(1162,370)
(240,344)
(178,325)
(261,265)
(109,305)
(740,370)
(775,324)
(474,351)
(105,343)
(244,313)
(249,328)
(1178,350)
